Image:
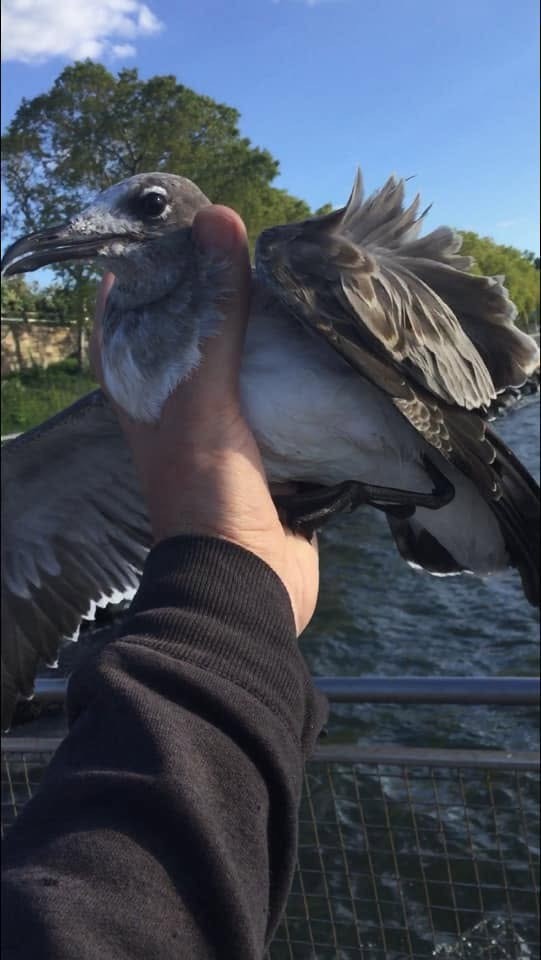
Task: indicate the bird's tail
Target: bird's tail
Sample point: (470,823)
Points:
(469,533)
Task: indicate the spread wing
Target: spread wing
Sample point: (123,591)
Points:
(74,535)
(404,311)
(380,295)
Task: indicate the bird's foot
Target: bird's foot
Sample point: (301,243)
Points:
(309,508)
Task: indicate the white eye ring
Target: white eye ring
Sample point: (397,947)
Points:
(153,203)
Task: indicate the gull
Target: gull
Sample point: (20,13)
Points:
(371,357)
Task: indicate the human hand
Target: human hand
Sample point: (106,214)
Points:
(199,465)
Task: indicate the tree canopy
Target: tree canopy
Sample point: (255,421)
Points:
(93,128)
(520,269)
(18,297)
(21,297)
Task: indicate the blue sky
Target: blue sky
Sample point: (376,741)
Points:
(447,92)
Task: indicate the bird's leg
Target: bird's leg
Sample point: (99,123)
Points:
(385,498)
(307,510)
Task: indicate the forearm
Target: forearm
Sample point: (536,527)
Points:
(167,822)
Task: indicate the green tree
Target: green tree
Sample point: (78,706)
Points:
(324,210)
(55,303)
(530,256)
(520,269)
(18,297)
(93,128)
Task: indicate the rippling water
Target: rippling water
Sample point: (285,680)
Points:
(377,616)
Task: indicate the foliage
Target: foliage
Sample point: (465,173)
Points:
(324,210)
(33,395)
(57,303)
(93,128)
(520,269)
(54,303)
(18,297)
(531,258)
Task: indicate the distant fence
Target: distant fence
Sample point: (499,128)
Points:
(51,320)
(31,341)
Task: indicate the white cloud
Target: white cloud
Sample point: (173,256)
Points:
(123,50)
(37,30)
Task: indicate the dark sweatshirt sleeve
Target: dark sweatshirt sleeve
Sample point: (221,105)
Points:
(166,824)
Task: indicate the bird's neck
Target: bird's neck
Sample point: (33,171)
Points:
(149,274)
(153,326)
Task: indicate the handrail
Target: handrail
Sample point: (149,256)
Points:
(393,754)
(517,691)
(380,754)
(511,691)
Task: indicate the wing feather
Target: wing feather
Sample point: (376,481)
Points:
(408,300)
(404,312)
(74,535)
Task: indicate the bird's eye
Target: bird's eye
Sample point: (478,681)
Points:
(153,204)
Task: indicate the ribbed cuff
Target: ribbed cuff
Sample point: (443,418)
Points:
(217,606)
(214,576)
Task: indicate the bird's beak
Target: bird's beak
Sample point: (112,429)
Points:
(55,245)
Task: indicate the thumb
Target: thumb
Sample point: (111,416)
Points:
(219,231)
(96,337)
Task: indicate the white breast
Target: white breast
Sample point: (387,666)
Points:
(317,420)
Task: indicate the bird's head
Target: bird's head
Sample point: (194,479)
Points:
(128,229)
(162,302)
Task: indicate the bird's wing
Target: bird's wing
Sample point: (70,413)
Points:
(75,535)
(362,279)
(406,314)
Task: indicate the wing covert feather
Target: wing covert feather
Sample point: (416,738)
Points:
(409,301)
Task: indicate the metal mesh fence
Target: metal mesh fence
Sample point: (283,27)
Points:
(397,859)
(402,861)
(22,773)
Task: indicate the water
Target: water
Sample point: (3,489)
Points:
(377,616)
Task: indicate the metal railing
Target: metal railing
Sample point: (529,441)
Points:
(511,691)
(52,320)
(404,852)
